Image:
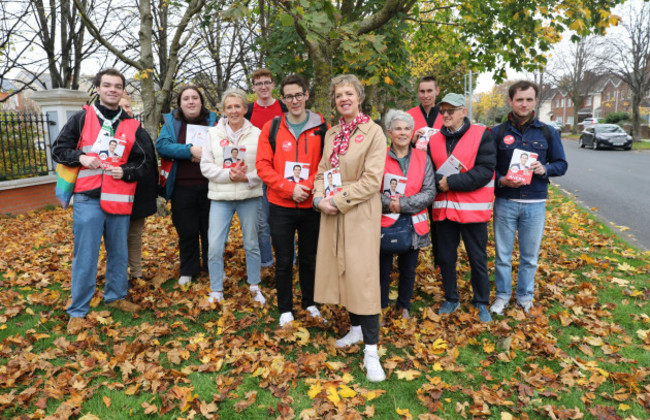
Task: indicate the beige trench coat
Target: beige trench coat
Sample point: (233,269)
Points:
(347,262)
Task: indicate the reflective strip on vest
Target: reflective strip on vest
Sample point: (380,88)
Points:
(89,172)
(121,198)
(462,206)
(420,217)
(87,148)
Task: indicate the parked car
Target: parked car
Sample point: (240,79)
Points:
(589,121)
(557,125)
(598,136)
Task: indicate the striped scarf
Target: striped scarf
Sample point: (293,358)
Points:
(342,139)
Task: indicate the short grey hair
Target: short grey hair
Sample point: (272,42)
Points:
(398,115)
(233,93)
(347,79)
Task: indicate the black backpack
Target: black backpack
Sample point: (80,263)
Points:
(275,125)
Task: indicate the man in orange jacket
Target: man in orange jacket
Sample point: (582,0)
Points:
(294,139)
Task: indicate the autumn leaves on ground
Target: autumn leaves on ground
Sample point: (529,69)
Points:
(584,351)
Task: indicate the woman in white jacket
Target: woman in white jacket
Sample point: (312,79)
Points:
(234,187)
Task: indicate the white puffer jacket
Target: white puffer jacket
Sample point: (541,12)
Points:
(221,187)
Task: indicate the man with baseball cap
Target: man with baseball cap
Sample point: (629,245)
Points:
(464,157)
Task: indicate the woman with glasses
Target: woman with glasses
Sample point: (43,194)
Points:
(407,207)
(347,263)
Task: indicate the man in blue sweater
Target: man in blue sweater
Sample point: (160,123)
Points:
(518,207)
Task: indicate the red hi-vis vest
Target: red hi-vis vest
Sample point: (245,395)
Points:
(419,120)
(414,180)
(116,195)
(462,206)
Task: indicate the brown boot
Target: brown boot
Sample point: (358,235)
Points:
(75,325)
(124,305)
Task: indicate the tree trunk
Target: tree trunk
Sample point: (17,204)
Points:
(322,63)
(147,84)
(636,120)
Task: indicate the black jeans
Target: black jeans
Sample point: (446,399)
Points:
(284,223)
(474,236)
(434,244)
(406,263)
(191,215)
(369,327)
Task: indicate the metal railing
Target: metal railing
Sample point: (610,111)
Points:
(24,146)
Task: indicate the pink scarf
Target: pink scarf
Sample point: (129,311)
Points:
(342,139)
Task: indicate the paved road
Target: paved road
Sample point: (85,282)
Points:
(617,183)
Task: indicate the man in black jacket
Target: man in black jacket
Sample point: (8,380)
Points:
(98,188)
(464,157)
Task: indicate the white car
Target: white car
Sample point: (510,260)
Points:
(589,121)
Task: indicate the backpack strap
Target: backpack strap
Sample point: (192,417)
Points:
(249,111)
(273,132)
(501,132)
(322,130)
(547,134)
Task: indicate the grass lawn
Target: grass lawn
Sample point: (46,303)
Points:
(583,352)
(641,145)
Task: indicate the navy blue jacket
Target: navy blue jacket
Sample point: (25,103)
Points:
(551,155)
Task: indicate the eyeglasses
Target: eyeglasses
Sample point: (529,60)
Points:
(449,111)
(298,97)
(265,83)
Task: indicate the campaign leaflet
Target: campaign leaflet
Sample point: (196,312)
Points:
(519,169)
(296,171)
(423,140)
(451,166)
(232,155)
(196,135)
(110,151)
(394,186)
(332,182)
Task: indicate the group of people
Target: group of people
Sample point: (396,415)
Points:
(434,182)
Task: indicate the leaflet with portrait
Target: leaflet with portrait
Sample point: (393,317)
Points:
(519,169)
(394,186)
(451,166)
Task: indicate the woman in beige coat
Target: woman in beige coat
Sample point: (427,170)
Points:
(347,263)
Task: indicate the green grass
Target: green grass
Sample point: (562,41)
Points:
(641,145)
(578,348)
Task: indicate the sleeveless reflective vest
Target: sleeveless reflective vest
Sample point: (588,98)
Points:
(116,195)
(419,120)
(462,206)
(414,180)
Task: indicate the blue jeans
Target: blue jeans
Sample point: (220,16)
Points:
(528,219)
(264,231)
(221,213)
(89,224)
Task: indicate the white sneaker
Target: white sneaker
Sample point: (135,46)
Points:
(498,306)
(374,371)
(184,280)
(285,318)
(525,305)
(315,313)
(352,337)
(257,295)
(215,297)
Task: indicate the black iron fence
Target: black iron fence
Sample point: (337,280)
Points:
(24,146)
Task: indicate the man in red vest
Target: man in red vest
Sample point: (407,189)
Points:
(464,157)
(427,121)
(103,193)
(263,110)
(427,113)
